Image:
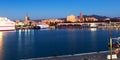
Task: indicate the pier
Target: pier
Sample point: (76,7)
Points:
(78,24)
(110,27)
(97,23)
(85,56)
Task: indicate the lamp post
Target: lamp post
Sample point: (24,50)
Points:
(110,47)
(110,44)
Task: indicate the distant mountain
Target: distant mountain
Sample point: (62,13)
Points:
(96,16)
(99,17)
(61,18)
(115,19)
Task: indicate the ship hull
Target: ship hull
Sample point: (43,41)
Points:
(7,28)
(43,26)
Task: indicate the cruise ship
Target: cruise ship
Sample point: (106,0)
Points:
(6,24)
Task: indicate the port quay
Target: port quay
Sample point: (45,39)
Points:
(102,25)
(102,55)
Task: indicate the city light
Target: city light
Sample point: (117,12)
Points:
(93,29)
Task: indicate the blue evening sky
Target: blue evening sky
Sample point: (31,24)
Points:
(40,9)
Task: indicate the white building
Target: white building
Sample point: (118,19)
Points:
(71,18)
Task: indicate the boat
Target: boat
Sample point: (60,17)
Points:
(41,26)
(6,24)
(93,25)
(118,38)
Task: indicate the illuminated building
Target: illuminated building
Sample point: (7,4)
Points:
(71,18)
(27,17)
(81,19)
(90,19)
(18,23)
(106,19)
(27,20)
(52,21)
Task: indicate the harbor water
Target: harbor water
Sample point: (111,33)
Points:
(23,44)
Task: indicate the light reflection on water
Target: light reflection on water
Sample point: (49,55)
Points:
(72,40)
(93,29)
(94,37)
(25,42)
(1,46)
(19,42)
(22,44)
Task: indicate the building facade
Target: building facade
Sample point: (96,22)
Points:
(71,18)
(81,19)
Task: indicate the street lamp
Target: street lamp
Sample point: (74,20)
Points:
(110,45)
(115,46)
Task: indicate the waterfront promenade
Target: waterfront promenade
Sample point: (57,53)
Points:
(85,56)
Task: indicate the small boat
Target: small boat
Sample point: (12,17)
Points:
(93,25)
(41,26)
(116,38)
(6,24)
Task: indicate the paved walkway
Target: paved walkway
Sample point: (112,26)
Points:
(85,56)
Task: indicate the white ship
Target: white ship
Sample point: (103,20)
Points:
(116,38)
(93,25)
(6,24)
(43,26)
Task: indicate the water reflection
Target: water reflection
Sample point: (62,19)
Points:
(19,41)
(36,43)
(26,40)
(72,41)
(1,46)
(93,29)
(93,38)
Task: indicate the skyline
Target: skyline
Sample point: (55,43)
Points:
(42,9)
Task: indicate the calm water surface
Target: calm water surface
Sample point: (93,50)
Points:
(22,44)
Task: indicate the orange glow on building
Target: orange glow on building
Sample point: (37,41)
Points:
(52,21)
(91,19)
(81,18)
(71,18)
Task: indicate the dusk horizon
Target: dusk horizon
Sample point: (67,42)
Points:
(46,9)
